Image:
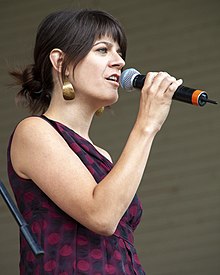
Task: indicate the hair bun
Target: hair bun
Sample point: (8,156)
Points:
(30,82)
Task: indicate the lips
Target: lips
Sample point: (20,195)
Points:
(114,78)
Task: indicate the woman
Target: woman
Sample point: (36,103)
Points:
(81,208)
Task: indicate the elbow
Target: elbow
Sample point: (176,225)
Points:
(107,232)
(100,222)
(104,228)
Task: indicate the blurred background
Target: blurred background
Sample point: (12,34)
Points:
(180,190)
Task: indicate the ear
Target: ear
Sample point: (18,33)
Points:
(56,58)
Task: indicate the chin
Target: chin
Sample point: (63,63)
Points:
(113,100)
(107,101)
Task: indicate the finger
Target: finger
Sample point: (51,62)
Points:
(165,83)
(173,87)
(160,83)
(149,79)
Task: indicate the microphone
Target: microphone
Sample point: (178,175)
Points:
(131,78)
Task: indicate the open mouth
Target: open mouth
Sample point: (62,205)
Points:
(114,78)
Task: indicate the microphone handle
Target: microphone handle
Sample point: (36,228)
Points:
(185,94)
(190,95)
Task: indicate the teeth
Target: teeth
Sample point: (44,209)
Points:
(114,78)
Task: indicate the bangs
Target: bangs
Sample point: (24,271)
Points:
(99,24)
(110,29)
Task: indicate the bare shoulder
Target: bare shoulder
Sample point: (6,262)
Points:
(26,131)
(30,126)
(35,131)
(33,136)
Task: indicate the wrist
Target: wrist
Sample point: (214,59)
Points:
(147,130)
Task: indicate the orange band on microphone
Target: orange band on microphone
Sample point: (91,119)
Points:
(195,97)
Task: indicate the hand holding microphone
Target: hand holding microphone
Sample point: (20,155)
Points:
(155,101)
(131,78)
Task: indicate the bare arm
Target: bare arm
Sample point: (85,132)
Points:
(41,154)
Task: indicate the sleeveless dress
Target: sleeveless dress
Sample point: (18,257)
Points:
(70,248)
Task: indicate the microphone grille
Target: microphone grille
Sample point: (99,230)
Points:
(126,79)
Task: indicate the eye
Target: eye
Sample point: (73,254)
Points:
(102,50)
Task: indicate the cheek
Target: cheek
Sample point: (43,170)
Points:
(86,71)
(83,81)
(89,77)
(89,73)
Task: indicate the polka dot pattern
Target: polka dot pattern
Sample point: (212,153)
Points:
(69,247)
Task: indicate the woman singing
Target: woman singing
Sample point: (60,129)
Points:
(81,208)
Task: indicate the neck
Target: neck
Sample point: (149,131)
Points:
(75,116)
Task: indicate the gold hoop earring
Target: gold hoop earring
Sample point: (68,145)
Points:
(100,111)
(68,90)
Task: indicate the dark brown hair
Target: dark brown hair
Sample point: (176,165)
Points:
(74,32)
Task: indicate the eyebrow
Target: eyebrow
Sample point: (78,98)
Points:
(107,43)
(104,42)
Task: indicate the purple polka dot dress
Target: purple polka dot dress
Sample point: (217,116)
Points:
(70,248)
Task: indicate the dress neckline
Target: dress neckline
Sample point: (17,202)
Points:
(79,137)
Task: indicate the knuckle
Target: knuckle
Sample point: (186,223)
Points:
(151,90)
(161,75)
(164,74)
(170,78)
(173,86)
(151,74)
(169,81)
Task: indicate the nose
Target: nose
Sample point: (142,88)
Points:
(117,61)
